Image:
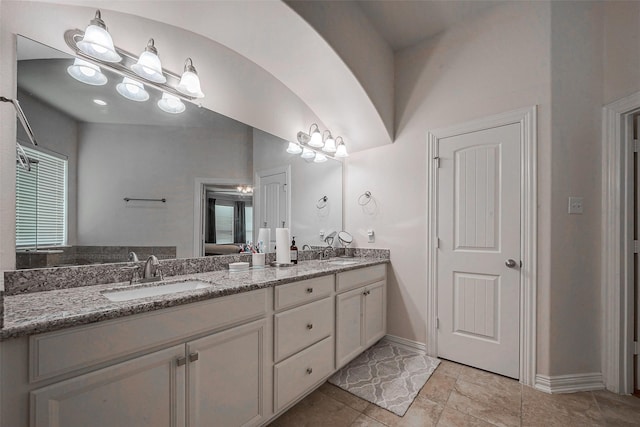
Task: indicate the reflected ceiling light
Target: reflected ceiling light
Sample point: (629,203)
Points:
(245,189)
(87,73)
(294,148)
(171,104)
(132,90)
(97,41)
(99,102)
(189,82)
(329,143)
(148,65)
(307,153)
(320,158)
(341,150)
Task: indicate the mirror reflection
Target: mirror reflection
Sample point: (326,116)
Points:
(116,175)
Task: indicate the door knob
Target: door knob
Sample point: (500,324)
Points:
(511,263)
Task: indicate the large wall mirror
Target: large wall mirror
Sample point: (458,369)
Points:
(115,175)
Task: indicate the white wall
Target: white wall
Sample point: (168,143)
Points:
(495,63)
(117,161)
(309,182)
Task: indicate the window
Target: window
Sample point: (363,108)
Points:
(224,222)
(41,200)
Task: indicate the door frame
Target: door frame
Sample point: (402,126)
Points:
(198,208)
(527,118)
(617,243)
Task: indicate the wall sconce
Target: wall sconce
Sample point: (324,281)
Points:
(95,49)
(308,146)
(329,143)
(313,138)
(341,150)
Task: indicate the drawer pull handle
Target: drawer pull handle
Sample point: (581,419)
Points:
(309,371)
(309,290)
(193,357)
(309,326)
(181,361)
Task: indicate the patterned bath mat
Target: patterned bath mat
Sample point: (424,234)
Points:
(386,375)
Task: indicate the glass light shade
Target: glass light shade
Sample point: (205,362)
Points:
(316,139)
(341,151)
(132,90)
(97,41)
(329,145)
(307,153)
(189,82)
(149,66)
(294,148)
(320,158)
(171,104)
(87,73)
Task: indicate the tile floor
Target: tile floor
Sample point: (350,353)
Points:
(457,395)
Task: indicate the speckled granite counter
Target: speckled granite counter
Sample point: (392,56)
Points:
(38,312)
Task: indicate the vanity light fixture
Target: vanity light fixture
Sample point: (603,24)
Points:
(189,82)
(329,143)
(319,158)
(316,137)
(307,153)
(97,41)
(148,65)
(99,102)
(294,148)
(132,90)
(171,104)
(87,73)
(341,150)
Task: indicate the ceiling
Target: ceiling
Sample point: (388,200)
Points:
(403,23)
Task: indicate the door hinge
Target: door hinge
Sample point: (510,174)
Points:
(635,347)
(636,246)
(437,243)
(437,159)
(636,145)
(437,323)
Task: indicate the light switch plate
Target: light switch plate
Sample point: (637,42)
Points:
(575,205)
(372,236)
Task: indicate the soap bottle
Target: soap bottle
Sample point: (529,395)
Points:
(294,251)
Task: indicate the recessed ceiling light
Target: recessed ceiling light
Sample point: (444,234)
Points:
(99,102)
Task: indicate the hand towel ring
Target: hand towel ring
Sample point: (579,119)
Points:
(322,202)
(364,198)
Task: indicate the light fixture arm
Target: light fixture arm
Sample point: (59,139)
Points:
(97,21)
(123,68)
(311,128)
(323,137)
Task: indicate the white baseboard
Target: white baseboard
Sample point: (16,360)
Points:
(569,383)
(403,342)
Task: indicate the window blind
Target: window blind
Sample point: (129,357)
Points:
(41,201)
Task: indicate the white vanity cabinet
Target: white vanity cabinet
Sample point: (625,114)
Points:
(361,311)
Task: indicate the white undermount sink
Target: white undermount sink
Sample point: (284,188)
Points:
(342,261)
(152,291)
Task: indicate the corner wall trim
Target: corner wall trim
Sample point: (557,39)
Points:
(569,383)
(403,342)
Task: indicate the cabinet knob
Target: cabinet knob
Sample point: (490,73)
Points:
(193,357)
(309,371)
(310,326)
(309,290)
(181,361)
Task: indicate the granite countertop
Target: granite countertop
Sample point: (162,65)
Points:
(37,312)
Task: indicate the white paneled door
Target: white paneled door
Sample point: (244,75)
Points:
(478,257)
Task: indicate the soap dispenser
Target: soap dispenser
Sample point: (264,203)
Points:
(294,251)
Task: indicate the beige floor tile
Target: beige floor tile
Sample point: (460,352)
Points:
(488,403)
(345,397)
(438,387)
(317,410)
(449,368)
(485,378)
(452,418)
(364,421)
(421,413)
(618,410)
(572,409)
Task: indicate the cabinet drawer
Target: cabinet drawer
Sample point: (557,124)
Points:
(296,293)
(360,277)
(56,353)
(299,327)
(300,372)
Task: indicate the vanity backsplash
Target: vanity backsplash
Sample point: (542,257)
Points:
(47,279)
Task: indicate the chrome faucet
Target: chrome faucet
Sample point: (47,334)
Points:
(133,257)
(151,270)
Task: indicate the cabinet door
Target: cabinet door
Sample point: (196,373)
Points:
(146,391)
(226,376)
(349,326)
(375,313)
